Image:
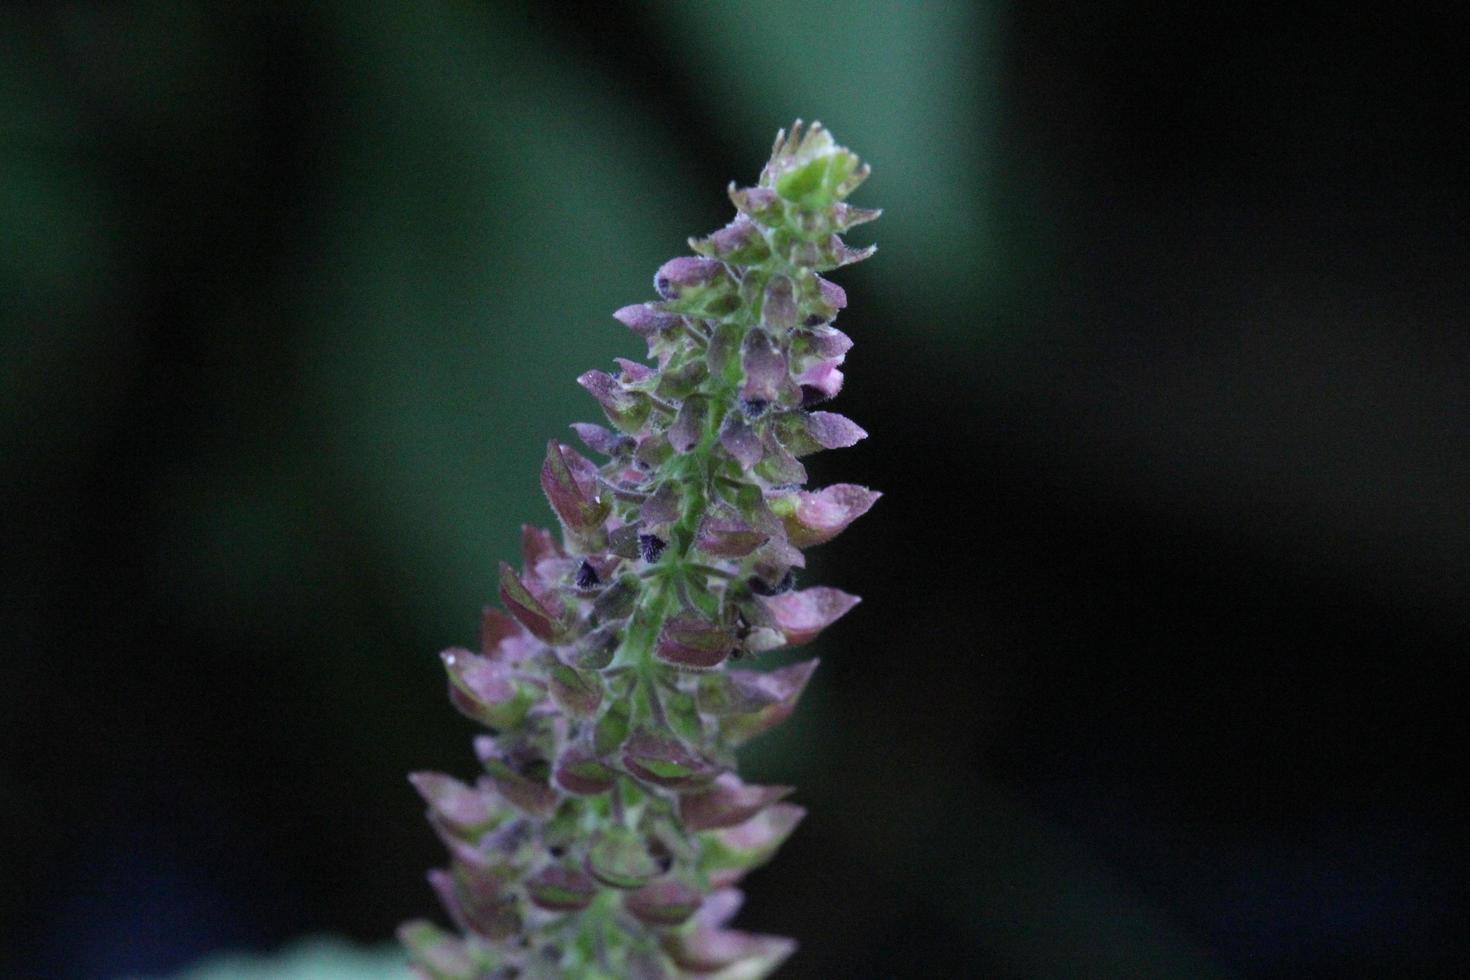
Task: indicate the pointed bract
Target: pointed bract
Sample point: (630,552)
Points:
(688,427)
(801,615)
(726,802)
(575,501)
(664,902)
(816,518)
(677,275)
(543,623)
(741,442)
(692,643)
(730,854)
(464,809)
(665,762)
(728,954)
(560,889)
(627,410)
(486,690)
(579,771)
(752,703)
(767,379)
(727,535)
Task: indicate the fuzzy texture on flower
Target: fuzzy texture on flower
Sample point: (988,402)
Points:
(608,827)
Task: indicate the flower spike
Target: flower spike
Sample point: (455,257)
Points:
(608,824)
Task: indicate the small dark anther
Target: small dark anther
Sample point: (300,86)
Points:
(761,587)
(815,320)
(812,396)
(665,288)
(661,856)
(556,850)
(587,576)
(754,408)
(650,546)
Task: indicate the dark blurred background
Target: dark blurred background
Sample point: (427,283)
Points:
(1166,364)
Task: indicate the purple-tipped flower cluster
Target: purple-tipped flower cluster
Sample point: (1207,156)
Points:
(609,829)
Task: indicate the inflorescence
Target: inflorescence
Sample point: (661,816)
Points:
(609,828)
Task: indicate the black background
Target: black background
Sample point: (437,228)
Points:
(1156,669)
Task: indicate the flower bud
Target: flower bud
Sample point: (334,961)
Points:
(530,795)
(688,427)
(617,600)
(627,410)
(542,619)
(663,761)
(812,171)
(478,901)
(633,372)
(766,376)
(465,810)
(731,853)
(653,451)
(778,466)
(759,203)
(596,649)
(601,440)
(816,518)
(739,242)
(779,308)
(749,702)
(833,296)
(826,341)
(680,274)
(845,216)
(740,441)
(542,556)
(726,803)
(804,433)
(620,857)
(726,535)
(486,690)
(692,643)
(579,771)
(664,902)
(560,889)
(801,615)
(722,359)
(662,507)
(574,499)
(610,733)
(645,321)
(728,953)
(578,693)
(697,287)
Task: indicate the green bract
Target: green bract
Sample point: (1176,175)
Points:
(609,825)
